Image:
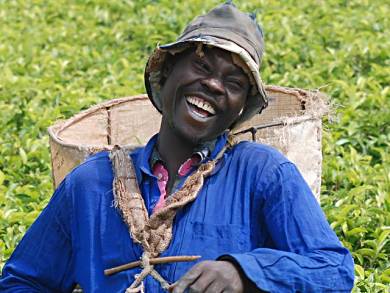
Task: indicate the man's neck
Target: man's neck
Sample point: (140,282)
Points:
(173,149)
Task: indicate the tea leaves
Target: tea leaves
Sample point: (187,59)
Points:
(58,57)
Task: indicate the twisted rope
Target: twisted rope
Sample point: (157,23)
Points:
(155,233)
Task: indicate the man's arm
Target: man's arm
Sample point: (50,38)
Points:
(42,262)
(306,255)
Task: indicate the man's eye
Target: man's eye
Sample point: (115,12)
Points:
(202,66)
(235,83)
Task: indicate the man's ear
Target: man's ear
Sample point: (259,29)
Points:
(166,70)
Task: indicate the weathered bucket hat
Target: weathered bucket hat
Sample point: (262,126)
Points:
(227,28)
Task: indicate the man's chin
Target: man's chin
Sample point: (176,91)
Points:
(192,138)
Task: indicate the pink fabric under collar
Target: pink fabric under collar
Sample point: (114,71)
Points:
(162,175)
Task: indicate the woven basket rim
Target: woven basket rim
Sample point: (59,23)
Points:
(61,125)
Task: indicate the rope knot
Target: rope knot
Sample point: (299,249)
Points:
(145,261)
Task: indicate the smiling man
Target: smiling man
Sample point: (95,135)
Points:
(201,95)
(191,191)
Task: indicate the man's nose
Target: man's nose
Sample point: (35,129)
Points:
(214,85)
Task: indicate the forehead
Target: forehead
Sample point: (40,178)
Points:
(215,57)
(210,52)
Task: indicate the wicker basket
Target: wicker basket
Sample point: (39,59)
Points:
(291,123)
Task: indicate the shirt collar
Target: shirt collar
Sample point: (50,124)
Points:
(142,156)
(200,153)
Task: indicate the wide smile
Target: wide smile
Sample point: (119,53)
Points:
(199,108)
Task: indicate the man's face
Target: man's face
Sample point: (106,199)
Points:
(203,96)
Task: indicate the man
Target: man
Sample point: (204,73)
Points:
(244,208)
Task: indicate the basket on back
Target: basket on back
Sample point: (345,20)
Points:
(291,123)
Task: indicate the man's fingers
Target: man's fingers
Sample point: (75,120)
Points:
(210,277)
(190,277)
(202,283)
(215,287)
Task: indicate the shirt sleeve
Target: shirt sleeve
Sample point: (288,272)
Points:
(305,254)
(42,262)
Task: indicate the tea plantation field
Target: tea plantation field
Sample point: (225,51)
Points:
(58,57)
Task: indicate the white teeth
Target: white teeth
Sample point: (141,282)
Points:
(204,105)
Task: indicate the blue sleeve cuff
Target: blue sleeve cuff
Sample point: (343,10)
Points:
(248,267)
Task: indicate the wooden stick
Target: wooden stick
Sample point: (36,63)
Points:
(152,261)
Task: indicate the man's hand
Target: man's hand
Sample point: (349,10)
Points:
(211,277)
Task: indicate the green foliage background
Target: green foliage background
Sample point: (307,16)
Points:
(58,57)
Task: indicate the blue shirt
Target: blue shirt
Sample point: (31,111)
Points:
(255,209)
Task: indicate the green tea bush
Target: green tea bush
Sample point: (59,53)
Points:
(58,57)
